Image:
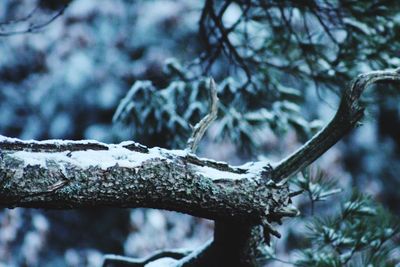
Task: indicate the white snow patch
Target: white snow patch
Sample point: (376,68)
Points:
(7,139)
(108,158)
(163,262)
(51,141)
(255,168)
(216,174)
(180,153)
(89,158)
(118,154)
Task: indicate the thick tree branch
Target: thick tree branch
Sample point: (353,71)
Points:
(349,113)
(68,174)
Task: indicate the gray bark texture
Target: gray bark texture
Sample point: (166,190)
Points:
(243,201)
(55,175)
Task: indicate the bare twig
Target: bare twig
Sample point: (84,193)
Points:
(19,20)
(200,128)
(196,254)
(116,260)
(212,26)
(34,27)
(231,49)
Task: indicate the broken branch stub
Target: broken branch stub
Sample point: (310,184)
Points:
(201,127)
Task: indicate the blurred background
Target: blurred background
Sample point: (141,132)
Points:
(66,66)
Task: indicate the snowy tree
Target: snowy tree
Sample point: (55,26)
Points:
(272,50)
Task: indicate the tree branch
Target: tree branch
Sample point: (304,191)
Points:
(349,113)
(116,260)
(73,174)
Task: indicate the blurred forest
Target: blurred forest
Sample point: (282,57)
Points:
(116,70)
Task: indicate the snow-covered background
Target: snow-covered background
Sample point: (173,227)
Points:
(65,82)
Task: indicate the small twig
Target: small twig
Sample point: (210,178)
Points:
(285,261)
(226,42)
(116,260)
(35,27)
(200,128)
(312,203)
(195,255)
(19,20)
